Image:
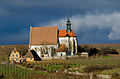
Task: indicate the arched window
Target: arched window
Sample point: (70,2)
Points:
(31,58)
(17,59)
(16,55)
(13,55)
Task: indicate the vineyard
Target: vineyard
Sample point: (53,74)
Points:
(12,71)
(54,69)
(80,64)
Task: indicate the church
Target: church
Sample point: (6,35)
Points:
(52,42)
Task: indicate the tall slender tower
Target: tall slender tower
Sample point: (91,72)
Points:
(68,24)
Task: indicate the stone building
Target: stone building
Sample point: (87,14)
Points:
(47,41)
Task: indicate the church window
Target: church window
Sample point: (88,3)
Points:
(13,55)
(16,55)
(62,41)
(46,50)
(31,58)
(17,59)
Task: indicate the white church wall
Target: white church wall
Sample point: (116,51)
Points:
(37,48)
(61,53)
(62,40)
(76,44)
(65,40)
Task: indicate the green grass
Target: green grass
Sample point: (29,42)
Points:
(107,56)
(17,72)
(13,71)
(114,46)
(54,67)
(77,64)
(73,64)
(110,71)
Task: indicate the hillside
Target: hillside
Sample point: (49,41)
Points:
(114,46)
(6,49)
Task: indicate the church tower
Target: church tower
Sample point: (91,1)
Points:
(68,24)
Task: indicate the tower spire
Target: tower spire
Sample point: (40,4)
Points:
(68,24)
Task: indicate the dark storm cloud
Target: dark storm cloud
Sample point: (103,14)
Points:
(17,15)
(60,5)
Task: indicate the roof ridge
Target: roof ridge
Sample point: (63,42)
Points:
(45,27)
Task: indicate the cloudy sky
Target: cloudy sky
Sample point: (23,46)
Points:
(94,21)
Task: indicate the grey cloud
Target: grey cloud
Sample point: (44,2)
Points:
(90,21)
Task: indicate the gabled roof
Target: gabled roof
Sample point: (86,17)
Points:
(63,33)
(32,54)
(14,50)
(43,35)
(29,54)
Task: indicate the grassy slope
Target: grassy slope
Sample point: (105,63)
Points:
(6,49)
(115,46)
(74,63)
(79,63)
(17,72)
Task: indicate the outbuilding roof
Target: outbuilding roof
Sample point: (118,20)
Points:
(29,54)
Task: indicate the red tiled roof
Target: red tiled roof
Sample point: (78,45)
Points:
(63,33)
(43,35)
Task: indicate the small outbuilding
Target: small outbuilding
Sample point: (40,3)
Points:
(84,54)
(31,56)
(61,51)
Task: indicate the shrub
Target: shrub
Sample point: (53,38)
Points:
(83,48)
(93,51)
(105,51)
